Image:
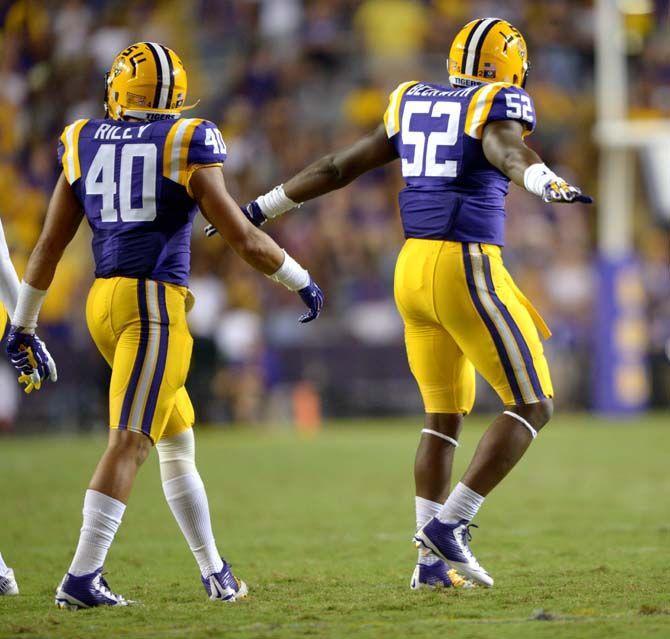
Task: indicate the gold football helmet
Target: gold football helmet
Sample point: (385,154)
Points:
(147,81)
(488,50)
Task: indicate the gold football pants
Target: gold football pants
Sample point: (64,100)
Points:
(462,311)
(140,328)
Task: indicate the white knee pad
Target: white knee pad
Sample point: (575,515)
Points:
(525,423)
(177,455)
(446,438)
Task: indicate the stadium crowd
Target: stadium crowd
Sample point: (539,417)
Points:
(286,81)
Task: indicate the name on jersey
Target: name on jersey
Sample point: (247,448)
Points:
(425,90)
(113,132)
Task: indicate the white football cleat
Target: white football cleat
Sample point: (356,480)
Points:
(87,591)
(8,585)
(450,542)
(224,585)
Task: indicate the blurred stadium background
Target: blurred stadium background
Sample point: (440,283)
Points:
(286,81)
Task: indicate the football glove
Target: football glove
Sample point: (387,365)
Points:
(313,298)
(558,190)
(252,212)
(30,358)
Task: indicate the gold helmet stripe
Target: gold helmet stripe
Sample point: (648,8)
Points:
(473,45)
(168,55)
(163,76)
(467,43)
(480,46)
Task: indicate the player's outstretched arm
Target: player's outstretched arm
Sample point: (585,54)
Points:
(26,351)
(504,147)
(256,248)
(331,172)
(335,170)
(9,280)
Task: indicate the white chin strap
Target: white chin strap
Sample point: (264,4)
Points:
(522,421)
(446,438)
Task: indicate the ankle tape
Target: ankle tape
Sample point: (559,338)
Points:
(522,421)
(446,438)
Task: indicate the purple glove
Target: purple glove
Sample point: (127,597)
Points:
(30,358)
(312,295)
(251,211)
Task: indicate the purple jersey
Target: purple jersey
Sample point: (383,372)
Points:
(132,181)
(452,191)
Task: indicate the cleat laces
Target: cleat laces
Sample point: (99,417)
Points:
(465,538)
(102,586)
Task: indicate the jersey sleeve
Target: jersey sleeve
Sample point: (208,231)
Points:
(68,151)
(191,144)
(499,101)
(392,113)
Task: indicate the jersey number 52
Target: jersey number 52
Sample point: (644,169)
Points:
(424,157)
(133,207)
(519,107)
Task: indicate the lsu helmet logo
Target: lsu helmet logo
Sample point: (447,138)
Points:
(147,81)
(488,50)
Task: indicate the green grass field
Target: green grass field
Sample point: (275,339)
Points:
(320,527)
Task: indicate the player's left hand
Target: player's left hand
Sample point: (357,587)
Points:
(313,298)
(559,191)
(31,359)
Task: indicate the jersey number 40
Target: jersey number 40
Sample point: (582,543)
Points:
(100,180)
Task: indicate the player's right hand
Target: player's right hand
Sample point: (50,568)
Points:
(558,190)
(313,298)
(252,212)
(30,358)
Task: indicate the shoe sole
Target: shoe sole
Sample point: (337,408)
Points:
(65,602)
(420,539)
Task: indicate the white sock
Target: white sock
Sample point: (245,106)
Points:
(4,568)
(425,510)
(187,499)
(463,503)
(102,518)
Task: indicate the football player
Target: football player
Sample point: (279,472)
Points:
(459,146)
(33,367)
(138,176)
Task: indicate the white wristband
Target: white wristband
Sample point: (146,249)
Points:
(536,177)
(28,306)
(291,274)
(274,203)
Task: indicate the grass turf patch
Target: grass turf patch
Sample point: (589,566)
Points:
(577,537)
